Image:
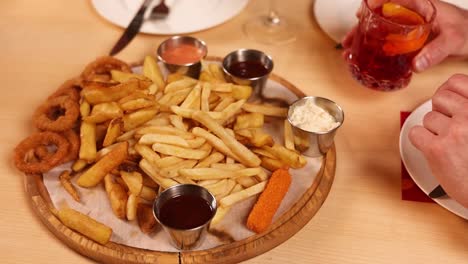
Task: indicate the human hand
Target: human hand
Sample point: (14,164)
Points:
(451,37)
(443,138)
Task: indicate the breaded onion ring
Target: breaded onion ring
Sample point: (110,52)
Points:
(69,88)
(34,141)
(57,114)
(99,70)
(74,148)
(42,152)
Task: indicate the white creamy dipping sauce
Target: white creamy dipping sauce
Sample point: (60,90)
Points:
(310,117)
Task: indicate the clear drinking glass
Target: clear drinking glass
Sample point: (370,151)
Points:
(270,28)
(388,37)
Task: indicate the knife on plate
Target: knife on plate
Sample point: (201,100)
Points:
(437,192)
(132,29)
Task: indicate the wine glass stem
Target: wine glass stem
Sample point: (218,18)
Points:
(273,17)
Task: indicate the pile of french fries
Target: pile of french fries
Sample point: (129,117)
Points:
(143,133)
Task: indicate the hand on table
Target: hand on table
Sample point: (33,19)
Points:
(451,37)
(443,138)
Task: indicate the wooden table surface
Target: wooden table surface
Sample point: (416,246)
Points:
(364,220)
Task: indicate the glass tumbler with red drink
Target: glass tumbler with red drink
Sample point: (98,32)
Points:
(388,36)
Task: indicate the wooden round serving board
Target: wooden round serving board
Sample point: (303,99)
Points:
(282,229)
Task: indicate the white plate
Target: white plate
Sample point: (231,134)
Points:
(417,165)
(337,17)
(185,16)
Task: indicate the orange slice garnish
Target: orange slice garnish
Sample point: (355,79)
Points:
(396,44)
(400,14)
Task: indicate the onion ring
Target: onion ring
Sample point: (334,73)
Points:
(74,148)
(99,70)
(57,114)
(34,141)
(69,88)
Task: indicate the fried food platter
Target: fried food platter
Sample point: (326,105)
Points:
(283,227)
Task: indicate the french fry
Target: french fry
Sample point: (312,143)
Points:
(246,182)
(223,104)
(120,181)
(232,110)
(148,194)
(167,161)
(152,172)
(216,72)
(244,154)
(196,143)
(79,164)
(147,153)
(85,225)
(216,142)
(145,217)
(221,188)
(262,176)
(266,110)
(180,152)
(133,180)
(95,94)
(88,141)
(158,121)
(220,214)
(149,139)
(152,71)
(289,157)
(205,95)
(136,119)
(224,166)
(221,87)
(242,195)
(110,161)
(113,132)
(207,182)
(173,171)
(117,197)
(153,89)
(183,180)
(132,205)
(85,108)
(237,188)
(301,141)
(187,113)
(211,159)
(192,97)
(181,84)
(165,130)
(104,151)
(212,174)
(174,98)
(176,121)
(288,136)
(250,120)
(64,178)
(126,136)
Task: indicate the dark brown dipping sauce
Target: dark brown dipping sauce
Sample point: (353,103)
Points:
(185,212)
(248,69)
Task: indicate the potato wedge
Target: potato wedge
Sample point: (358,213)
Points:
(95,94)
(152,71)
(250,120)
(113,132)
(136,119)
(146,220)
(133,180)
(65,181)
(88,141)
(110,161)
(132,205)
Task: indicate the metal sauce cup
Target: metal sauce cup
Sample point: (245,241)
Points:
(185,239)
(190,69)
(243,55)
(319,142)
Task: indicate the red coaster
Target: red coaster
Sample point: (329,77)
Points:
(409,190)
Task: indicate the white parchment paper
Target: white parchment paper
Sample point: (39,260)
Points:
(95,202)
